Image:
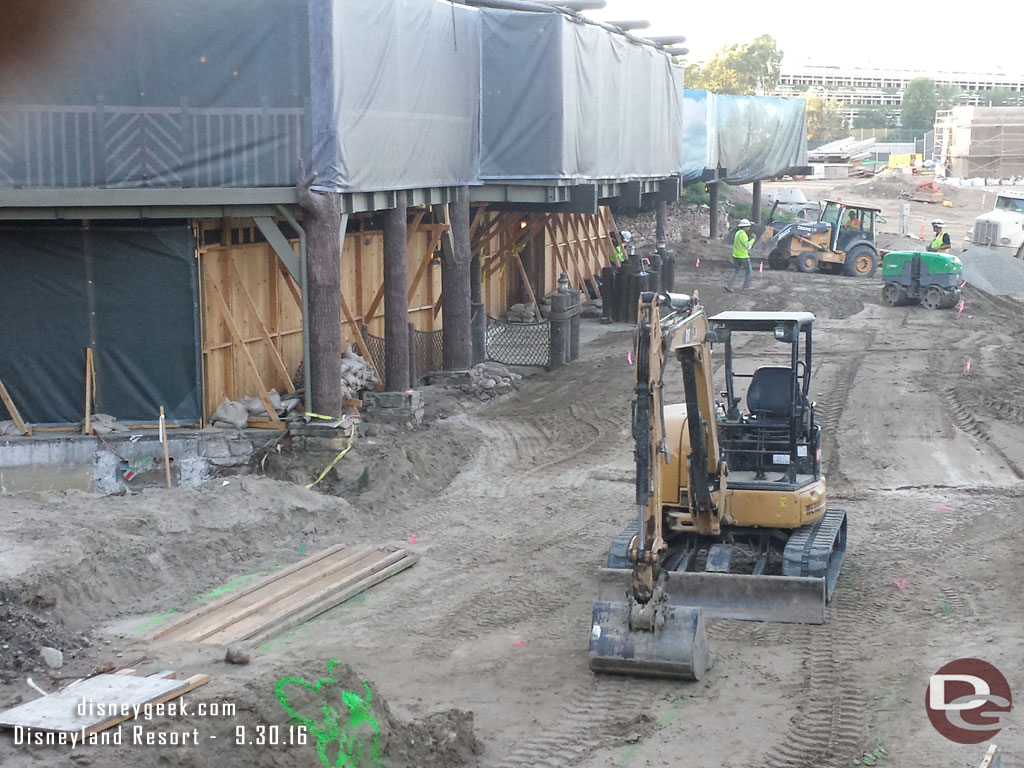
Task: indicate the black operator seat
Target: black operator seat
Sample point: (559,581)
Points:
(769,395)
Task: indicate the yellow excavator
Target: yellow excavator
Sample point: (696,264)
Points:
(732,519)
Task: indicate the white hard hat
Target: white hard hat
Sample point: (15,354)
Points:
(625,235)
(744,223)
(938,223)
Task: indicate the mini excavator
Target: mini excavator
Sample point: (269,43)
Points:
(732,519)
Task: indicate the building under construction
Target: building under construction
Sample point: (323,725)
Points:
(980,142)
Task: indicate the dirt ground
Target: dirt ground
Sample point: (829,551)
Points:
(477,655)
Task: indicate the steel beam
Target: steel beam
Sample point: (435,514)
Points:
(281,246)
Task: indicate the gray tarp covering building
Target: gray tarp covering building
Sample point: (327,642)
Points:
(396,93)
(563,100)
(175,93)
(187,93)
(753,137)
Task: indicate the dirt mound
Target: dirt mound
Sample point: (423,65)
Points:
(386,463)
(23,631)
(139,553)
(343,714)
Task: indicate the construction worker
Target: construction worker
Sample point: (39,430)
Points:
(852,221)
(940,243)
(742,242)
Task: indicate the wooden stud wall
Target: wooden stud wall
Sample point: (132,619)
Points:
(576,244)
(248,282)
(244,278)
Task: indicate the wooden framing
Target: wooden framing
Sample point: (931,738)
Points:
(12,409)
(252,308)
(576,244)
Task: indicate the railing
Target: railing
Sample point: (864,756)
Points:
(117,146)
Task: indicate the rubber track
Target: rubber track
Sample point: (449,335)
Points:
(809,550)
(618,551)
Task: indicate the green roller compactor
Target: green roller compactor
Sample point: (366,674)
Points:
(921,277)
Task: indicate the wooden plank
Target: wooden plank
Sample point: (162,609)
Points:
(552,232)
(414,227)
(266,424)
(87,429)
(216,605)
(275,356)
(301,617)
(233,327)
(315,598)
(292,287)
(529,288)
(264,601)
(435,238)
(13,411)
(992,758)
(58,712)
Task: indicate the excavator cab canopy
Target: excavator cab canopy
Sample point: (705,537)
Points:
(777,429)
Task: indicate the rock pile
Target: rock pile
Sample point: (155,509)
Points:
(521,313)
(490,380)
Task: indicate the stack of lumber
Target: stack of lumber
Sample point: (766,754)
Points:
(288,597)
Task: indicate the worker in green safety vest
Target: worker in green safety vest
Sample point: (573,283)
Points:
(940,243)
(742,242)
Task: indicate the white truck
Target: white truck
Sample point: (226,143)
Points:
(1003,227)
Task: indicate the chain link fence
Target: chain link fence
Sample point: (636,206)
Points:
(426,349)
(427,352)
(518,343)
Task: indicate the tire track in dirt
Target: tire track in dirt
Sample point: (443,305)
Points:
(586,723)
(829,415)
(963,417)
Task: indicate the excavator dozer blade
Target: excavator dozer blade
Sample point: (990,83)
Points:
(675,645)
(784,599)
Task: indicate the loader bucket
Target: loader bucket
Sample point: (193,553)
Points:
(675,646)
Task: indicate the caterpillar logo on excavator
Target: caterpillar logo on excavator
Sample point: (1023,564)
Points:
(732,517)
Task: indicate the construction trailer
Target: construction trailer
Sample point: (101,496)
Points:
(980,142)
(155,242)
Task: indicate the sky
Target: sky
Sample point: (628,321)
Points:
(882,34)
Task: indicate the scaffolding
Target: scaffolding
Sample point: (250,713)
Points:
(980,142)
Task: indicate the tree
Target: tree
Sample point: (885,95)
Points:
(740,69)
(870,117)
(824,120)
(919,104)
(946,95)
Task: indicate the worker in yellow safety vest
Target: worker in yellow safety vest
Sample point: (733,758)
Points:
(940,242)
(742,242)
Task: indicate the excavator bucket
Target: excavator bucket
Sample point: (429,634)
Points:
(672,644)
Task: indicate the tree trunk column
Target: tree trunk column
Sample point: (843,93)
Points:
(323,253)
(660,238)
(456,287)
(713,225)
(396,301)
(755,208)
(479,318)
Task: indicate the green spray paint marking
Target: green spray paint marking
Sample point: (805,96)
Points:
(215,593)
(352,750)
(154,620)
(678,705)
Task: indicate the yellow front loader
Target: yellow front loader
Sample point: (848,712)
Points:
(731,515)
